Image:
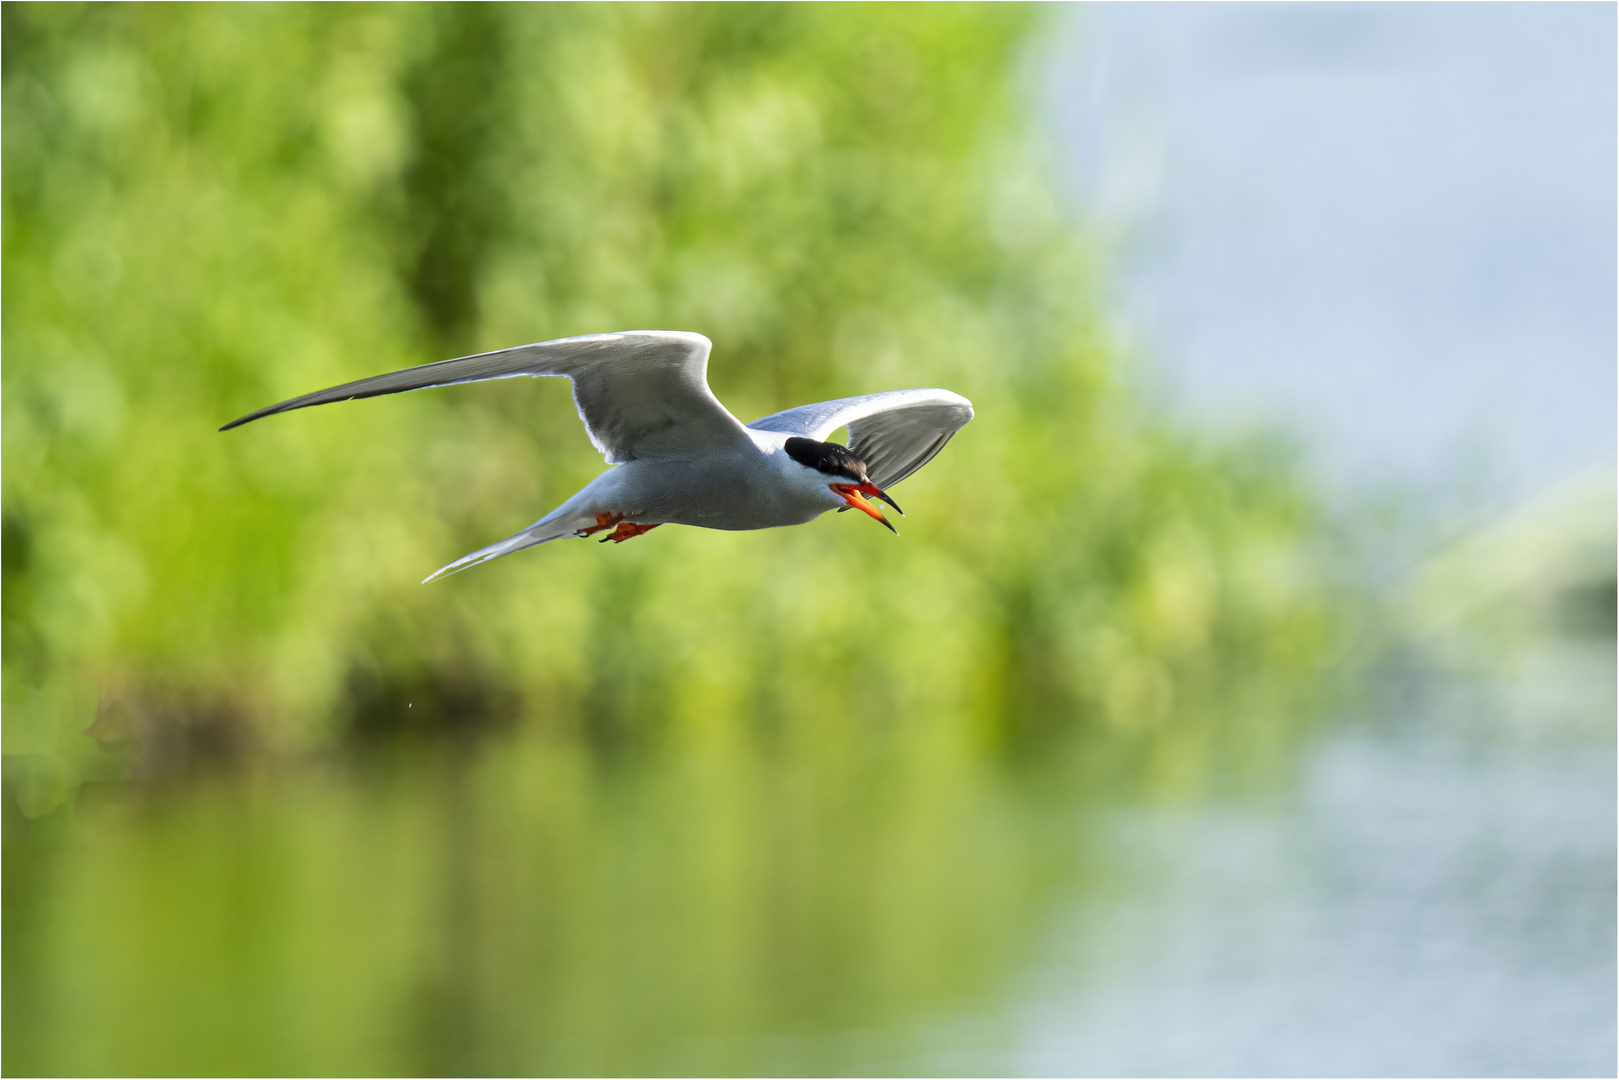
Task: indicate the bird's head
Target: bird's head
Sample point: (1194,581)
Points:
(845,474)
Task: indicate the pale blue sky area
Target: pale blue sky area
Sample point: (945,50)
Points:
(1389,228)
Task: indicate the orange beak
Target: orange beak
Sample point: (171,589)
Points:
(853,494)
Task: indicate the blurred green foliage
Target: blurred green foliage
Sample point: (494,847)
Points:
(843,201)
(211,208)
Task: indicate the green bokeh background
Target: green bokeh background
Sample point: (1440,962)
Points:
(703,802)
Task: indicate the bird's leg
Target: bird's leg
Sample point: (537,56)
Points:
(628,530)
(603,521)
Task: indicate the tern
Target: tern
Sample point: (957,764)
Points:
(675,455)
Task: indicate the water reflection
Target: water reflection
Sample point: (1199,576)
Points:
(1435,898)
(509,907)
(1433,894)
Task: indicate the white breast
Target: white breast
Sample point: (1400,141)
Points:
(753,486)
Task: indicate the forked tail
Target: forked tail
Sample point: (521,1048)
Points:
(542,531)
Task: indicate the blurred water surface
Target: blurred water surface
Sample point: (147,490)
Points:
(1429,892)
(1435,897)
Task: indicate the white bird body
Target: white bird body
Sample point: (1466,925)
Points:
(751,486)
(677,456)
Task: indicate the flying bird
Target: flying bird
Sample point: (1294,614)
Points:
(676,456)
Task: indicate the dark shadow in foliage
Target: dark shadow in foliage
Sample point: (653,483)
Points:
(421,678)
(1589,609)
(20,636)
(451,208)
(172,735)
(424,699)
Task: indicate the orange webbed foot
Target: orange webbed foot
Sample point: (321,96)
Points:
(629,530)
(603,521)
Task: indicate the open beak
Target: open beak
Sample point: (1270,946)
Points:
(873,489)
(854,495)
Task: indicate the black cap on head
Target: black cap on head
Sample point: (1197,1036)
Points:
(830,458)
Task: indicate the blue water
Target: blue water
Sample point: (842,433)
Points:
(1435,898)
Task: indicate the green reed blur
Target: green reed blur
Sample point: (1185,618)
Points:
(587,807)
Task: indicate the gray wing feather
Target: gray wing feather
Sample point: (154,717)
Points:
(640,393)
(895,433)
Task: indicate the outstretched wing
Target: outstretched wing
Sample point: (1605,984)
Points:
(641,393)
(895,433)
